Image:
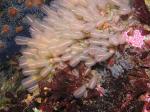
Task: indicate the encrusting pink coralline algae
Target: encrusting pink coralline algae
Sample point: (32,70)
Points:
(74,31)
(136,40)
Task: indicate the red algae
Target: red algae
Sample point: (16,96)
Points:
(141,11)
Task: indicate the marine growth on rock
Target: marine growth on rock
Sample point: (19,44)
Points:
(74,31)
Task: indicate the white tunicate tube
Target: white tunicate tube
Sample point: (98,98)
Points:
(44,53)
(122,40)
(87,71)
(88,27)
(29,81)
(33,88)
(92,83)
(30,72)
(28,53)
(66,57)
(96,50)
(76,60)
(98,42)
(99,34)
(21,40)
(123,4)
(75,72)
(104,57)
(23,62)
(85,94)
(79,92)
(33,44)
(114,40)
(60,44)
(102,3)
(38,64)
(45,72)
(90,62)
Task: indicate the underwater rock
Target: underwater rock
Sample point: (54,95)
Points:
(141,11)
